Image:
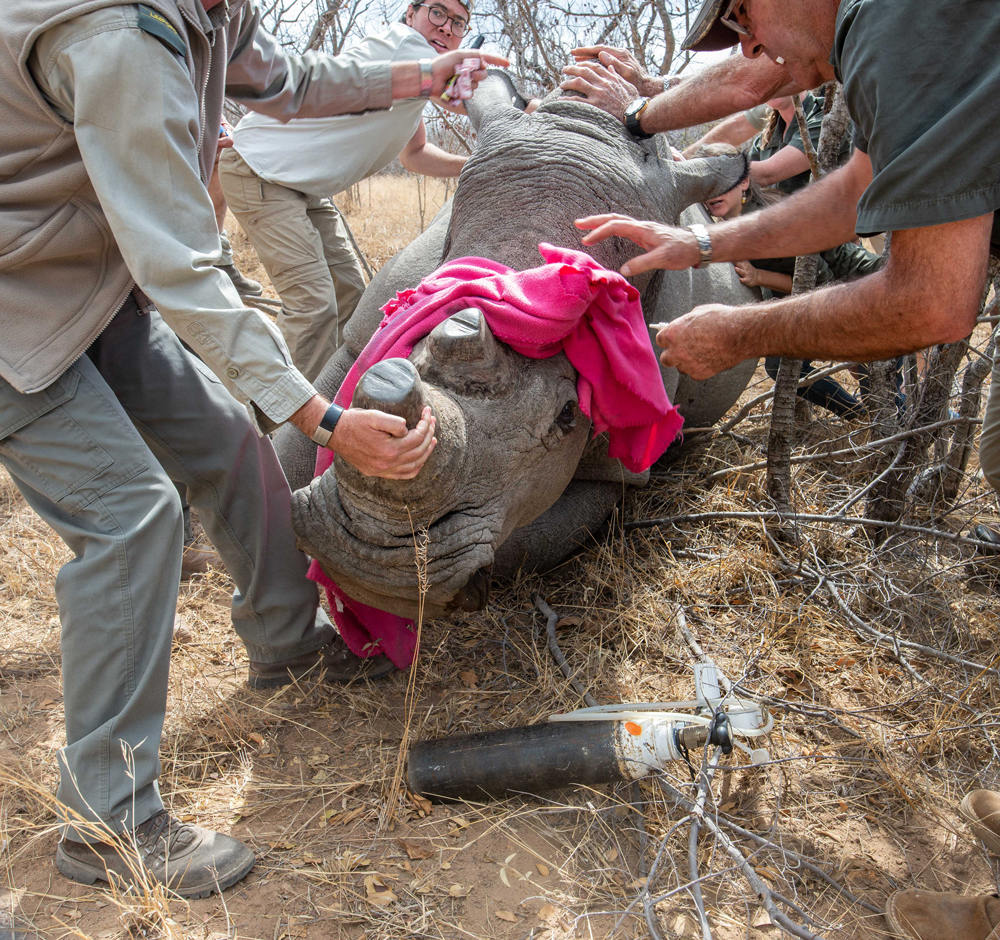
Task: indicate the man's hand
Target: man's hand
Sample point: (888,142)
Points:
(443,67)
(666,247)
(624,63)
(601,86)
(379,445)
(702,343)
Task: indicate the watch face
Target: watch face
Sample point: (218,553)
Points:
(635,106)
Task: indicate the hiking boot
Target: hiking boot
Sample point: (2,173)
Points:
(243,285)
(335,662)
(191,861)
(941,915)
(981,810)
(198,557)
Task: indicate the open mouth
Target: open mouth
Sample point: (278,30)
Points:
(440,46)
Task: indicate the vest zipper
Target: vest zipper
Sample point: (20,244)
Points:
(206,73)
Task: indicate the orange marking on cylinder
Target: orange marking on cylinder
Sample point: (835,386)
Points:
(632,728)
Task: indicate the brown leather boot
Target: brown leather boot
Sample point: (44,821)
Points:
(335,662)
(981,810)
(941,915)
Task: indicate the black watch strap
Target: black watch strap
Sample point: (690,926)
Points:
(324,430)
(632,119)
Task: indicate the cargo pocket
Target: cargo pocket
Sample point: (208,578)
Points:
(50,440)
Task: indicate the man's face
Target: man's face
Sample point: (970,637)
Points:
(442,38)
(799,32)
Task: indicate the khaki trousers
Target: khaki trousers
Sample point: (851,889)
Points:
(302,242)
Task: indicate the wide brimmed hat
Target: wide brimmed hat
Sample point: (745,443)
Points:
(707,34)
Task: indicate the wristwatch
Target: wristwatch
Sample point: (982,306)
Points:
(633,112)
(426,78)
(324,430)
(704,244)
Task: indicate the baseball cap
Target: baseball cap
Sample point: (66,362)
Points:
(707,34)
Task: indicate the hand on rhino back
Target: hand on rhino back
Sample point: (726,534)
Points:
(510,433)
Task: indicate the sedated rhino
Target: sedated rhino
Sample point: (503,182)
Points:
(515,479)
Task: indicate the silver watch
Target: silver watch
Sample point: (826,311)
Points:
(426,78)
(704,244)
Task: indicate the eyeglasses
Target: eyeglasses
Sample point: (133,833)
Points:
(439,16)
(728,19)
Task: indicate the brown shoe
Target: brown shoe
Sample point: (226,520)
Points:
(335,662)
(191,861)
(981,810)
(941,915)
(198,557)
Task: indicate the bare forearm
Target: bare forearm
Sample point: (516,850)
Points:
(873,318)
(773,280)
(816,218)
(433,161)
(732,85)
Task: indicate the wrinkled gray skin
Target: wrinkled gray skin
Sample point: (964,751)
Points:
(514,480)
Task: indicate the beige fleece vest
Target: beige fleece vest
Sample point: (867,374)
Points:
(62,277)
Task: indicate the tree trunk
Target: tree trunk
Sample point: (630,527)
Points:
(887,498)
(779,442)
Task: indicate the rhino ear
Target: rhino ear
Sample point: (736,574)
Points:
(701,179)
(495,95)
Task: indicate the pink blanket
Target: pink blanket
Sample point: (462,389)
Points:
(569,304)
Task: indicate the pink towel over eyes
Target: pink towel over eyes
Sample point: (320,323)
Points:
(570,304)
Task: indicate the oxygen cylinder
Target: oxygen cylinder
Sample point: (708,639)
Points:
(532,759)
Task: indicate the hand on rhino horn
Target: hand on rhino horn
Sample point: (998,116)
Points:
(666,247)
(601,86)
(443,67)
(379,445)
(706,341)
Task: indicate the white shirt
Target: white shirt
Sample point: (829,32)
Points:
(325,156)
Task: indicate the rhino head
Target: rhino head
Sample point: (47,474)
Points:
(510,432)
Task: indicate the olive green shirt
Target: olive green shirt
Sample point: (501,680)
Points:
(922,83)
(788,135)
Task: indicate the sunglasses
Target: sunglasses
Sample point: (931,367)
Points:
(439,16)
(728,18)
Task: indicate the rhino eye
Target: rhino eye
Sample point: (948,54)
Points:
(567,417)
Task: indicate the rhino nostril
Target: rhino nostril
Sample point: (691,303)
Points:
(476,592)
(393,386)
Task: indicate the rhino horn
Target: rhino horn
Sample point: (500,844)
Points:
(494,96)
(701,179)
(393,386)
(463,337)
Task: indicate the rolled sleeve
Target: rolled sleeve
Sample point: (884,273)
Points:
(135,113)
(264,78)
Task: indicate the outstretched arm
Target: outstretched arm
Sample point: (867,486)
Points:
(816,218)
(927,293)
(418,156)
(733,130)
(734,84)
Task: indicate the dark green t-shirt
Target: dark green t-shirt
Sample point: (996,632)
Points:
(922,83)
(789,136)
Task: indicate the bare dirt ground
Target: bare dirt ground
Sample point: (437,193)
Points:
(873,746)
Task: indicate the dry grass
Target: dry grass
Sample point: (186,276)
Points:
(869,761)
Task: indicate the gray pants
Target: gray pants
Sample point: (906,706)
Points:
(94,455)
